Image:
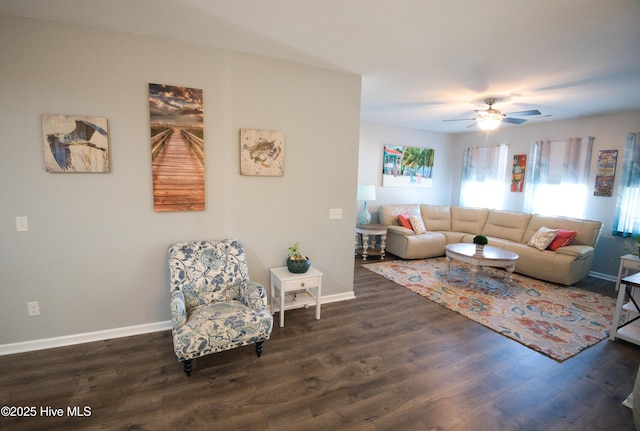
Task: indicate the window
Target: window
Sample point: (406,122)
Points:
(557,177)
(484,176)
(626,220)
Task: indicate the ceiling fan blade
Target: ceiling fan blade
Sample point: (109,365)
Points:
(462,119)
(525,113)
(514,120)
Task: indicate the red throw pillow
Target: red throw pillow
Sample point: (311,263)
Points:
(563,238)
(405,221)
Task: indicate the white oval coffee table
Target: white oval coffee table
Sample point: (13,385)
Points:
(489,256)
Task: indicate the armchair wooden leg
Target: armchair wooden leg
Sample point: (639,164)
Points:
(187,367)
(259,348)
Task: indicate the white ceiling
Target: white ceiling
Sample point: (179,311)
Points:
(421,61)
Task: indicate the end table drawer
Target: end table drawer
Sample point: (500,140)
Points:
(307,283)
(635,265)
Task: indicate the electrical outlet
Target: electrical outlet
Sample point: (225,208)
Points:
(33,308)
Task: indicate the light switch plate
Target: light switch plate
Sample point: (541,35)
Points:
(335,213)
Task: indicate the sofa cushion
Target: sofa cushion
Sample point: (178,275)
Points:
(509,225)
(388,214)
(562,239)
(436,217)
(496,242)
(468,220)
(428,244)
(399,230)
(588,230)
(545,264)
(542,238)
(453,237)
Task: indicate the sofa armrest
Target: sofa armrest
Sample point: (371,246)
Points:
(253,295)
(178,309)
(576,250)
(399,230)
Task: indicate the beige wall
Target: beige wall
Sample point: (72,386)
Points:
(373,138)
(95,254)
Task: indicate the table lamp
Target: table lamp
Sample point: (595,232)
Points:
(366,193)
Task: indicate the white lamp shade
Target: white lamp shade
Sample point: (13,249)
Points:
(367,192)
(489,121)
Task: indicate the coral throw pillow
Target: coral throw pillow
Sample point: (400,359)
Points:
(543,238)
(563,238)
(405,221)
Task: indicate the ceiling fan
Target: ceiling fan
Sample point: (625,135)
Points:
(490,119)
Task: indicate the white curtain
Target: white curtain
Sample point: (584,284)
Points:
(557,177)
(626,221)
(484,176)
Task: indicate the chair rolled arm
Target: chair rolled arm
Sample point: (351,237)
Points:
(253,295)
(178,309)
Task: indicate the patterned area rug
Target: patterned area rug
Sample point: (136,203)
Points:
(556,321)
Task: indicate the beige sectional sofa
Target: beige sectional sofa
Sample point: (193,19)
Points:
(505,229)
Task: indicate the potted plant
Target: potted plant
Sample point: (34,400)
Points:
(480,241)
(635,248)
(297,262)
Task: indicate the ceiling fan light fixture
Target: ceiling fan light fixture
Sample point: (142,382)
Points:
(489,122)
(490,119)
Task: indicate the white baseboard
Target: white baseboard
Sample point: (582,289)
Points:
(88,337)
(337,297)
(603,276)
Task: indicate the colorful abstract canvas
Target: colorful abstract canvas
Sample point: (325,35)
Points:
(606,172)
(517,172)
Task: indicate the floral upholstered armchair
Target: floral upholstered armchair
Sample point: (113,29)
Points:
(214,305)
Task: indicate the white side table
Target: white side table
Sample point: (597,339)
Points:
(629,263)
(627,329)
(305,290)
(363,234)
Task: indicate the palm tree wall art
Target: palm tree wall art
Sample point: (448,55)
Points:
(407,166)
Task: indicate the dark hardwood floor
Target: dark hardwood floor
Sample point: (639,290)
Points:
(388,360)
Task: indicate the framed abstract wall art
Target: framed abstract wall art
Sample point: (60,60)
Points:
(605,172)
(261,152)
(518,172)
(74,143)
(407,166)
(177,148)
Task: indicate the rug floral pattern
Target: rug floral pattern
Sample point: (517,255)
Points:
(556,321)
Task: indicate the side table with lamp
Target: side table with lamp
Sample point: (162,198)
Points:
(365,231)
(366,193)
(365,239)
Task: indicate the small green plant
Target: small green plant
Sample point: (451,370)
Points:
(294,252)
(480,240)
(637,247)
